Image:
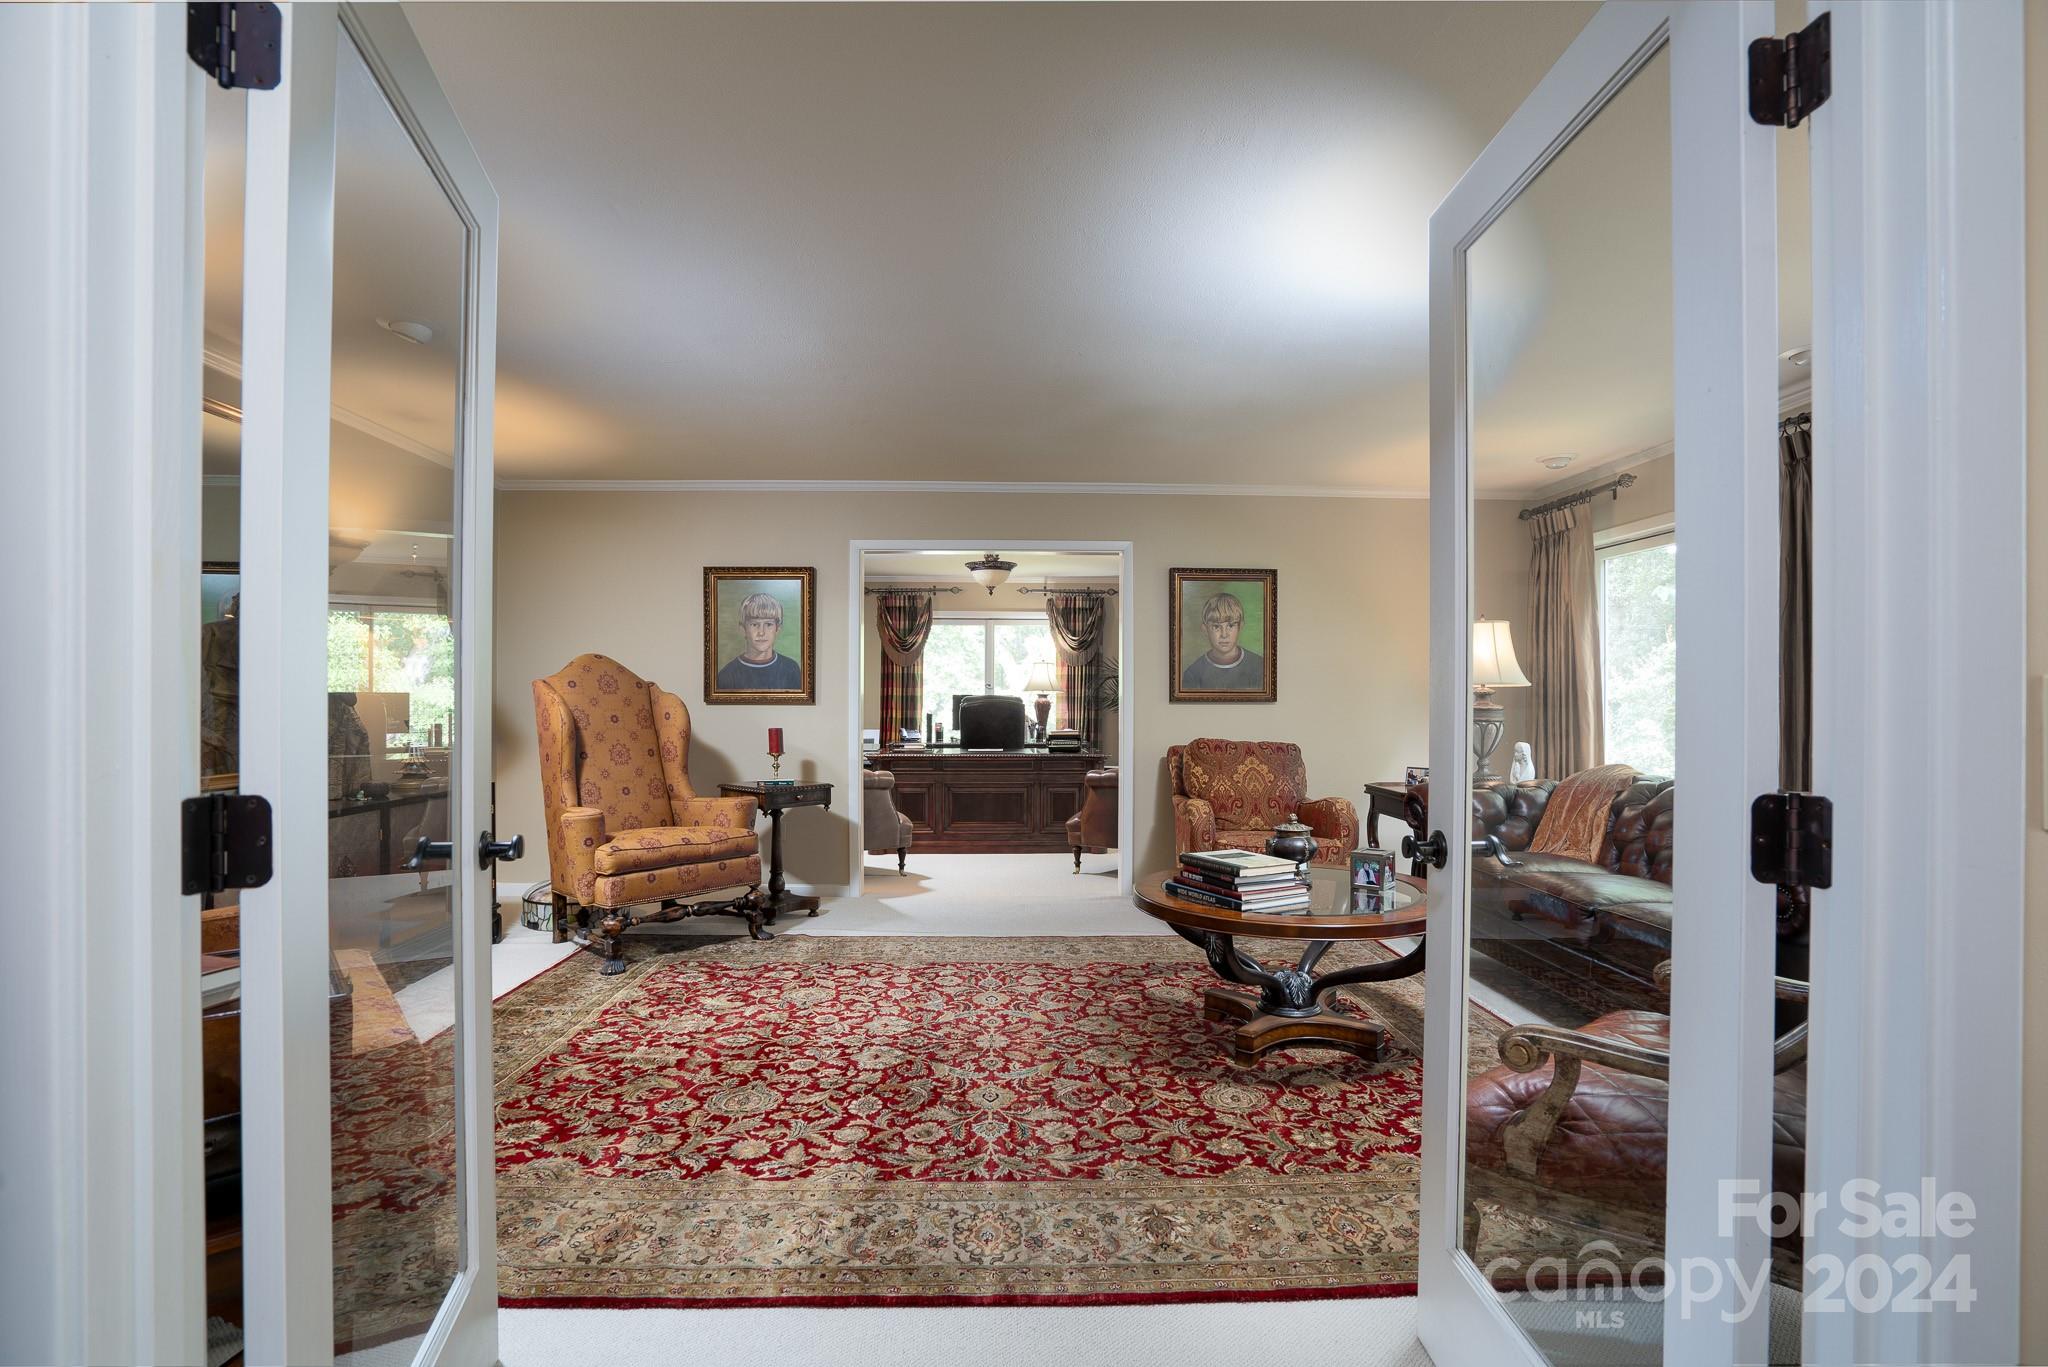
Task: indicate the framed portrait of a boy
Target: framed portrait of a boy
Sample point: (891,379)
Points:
(760,635)
(1224,635)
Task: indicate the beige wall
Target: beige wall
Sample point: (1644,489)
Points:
(622,574)
(2034,1150)
(1009,597)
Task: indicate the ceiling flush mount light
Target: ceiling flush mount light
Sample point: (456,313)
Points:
(990,571)
(1799,356)
(419,334)
(1557,462)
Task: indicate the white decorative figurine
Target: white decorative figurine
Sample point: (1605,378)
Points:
(1523,769)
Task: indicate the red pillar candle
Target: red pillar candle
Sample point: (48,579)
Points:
(774,740)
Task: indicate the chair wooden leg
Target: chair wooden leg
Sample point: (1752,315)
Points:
(902,856)
(606,942)
(1077,859)
(560,922)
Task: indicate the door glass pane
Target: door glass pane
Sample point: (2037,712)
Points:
(1019,646)
(1570,364)
(391,636)
(220,690)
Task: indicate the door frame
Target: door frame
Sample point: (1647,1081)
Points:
(1126,731)
(100,382)
(288,289)
(1919,469)
(1724,283)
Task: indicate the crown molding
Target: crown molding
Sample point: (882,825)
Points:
(222,363)
(938,486)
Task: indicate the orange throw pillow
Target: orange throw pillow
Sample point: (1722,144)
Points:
(1574,821)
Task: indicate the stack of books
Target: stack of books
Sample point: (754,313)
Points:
(1238,880)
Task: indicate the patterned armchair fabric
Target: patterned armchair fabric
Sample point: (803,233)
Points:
(1230,794)
(624,826)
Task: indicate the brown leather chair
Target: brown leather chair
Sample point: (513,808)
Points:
(625,829)
(1572,1125)
(1092,830)
(883,827)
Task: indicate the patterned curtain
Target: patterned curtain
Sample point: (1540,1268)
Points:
(1795,602)
(905,620)
(1564,663)
(1076,620)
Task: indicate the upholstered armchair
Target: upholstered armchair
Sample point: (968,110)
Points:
(1230,794)
(1092,830)
(886,829)
(626,831)
(1571,1125)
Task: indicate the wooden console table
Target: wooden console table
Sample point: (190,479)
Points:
(1389,799)
(990,801)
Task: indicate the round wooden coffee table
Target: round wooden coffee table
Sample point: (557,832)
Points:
(1289,1009)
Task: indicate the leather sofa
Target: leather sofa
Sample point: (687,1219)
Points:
(1606,924)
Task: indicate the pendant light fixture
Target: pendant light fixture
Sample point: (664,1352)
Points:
(990,571)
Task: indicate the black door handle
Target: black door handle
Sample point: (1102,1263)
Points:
(489,851)
(430,849)
(1433,850)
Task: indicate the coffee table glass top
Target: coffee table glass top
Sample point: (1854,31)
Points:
(1331,894)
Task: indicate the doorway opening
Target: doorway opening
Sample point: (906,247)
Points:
(989,733)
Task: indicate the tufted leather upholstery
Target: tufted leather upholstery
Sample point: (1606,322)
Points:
(614,770)
(1230,794)
(1609,1146)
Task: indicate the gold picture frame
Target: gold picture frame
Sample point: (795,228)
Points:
(737,597)
(1223,630)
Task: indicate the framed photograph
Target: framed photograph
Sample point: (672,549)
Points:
(1372,871)
(760,635)
(1224,635)
(1417,773)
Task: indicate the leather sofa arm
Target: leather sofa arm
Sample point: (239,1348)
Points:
(722,813)
(582,833)
(1101,778)
(1194,825)
(1525,1048)
(1332,818)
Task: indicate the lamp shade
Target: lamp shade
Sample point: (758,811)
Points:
(1041,680)
(1493,657)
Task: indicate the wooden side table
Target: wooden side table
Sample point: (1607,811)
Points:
(775,799)
(1389,799)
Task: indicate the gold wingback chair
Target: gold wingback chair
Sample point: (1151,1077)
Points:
(625,828)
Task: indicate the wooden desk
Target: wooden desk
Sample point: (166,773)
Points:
(1389,799)
(1009,801)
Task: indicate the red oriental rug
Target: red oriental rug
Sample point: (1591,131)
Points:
(870,1121)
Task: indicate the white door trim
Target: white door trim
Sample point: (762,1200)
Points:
(1724,258)
(99,383)
(1459,1316)
(1919,474)
(1126,731)
(287,332)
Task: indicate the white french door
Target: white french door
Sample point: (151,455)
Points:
(1610,258)
(367,354)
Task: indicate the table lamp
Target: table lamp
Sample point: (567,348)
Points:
(1493,666)
(1042,683)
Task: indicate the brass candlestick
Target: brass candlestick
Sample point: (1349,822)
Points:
(775,764)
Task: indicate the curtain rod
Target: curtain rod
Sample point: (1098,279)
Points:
(1081,592)
(916,588)
(1613,486)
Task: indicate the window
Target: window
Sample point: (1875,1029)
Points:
(991,654)
(1638,586)
(386,651)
